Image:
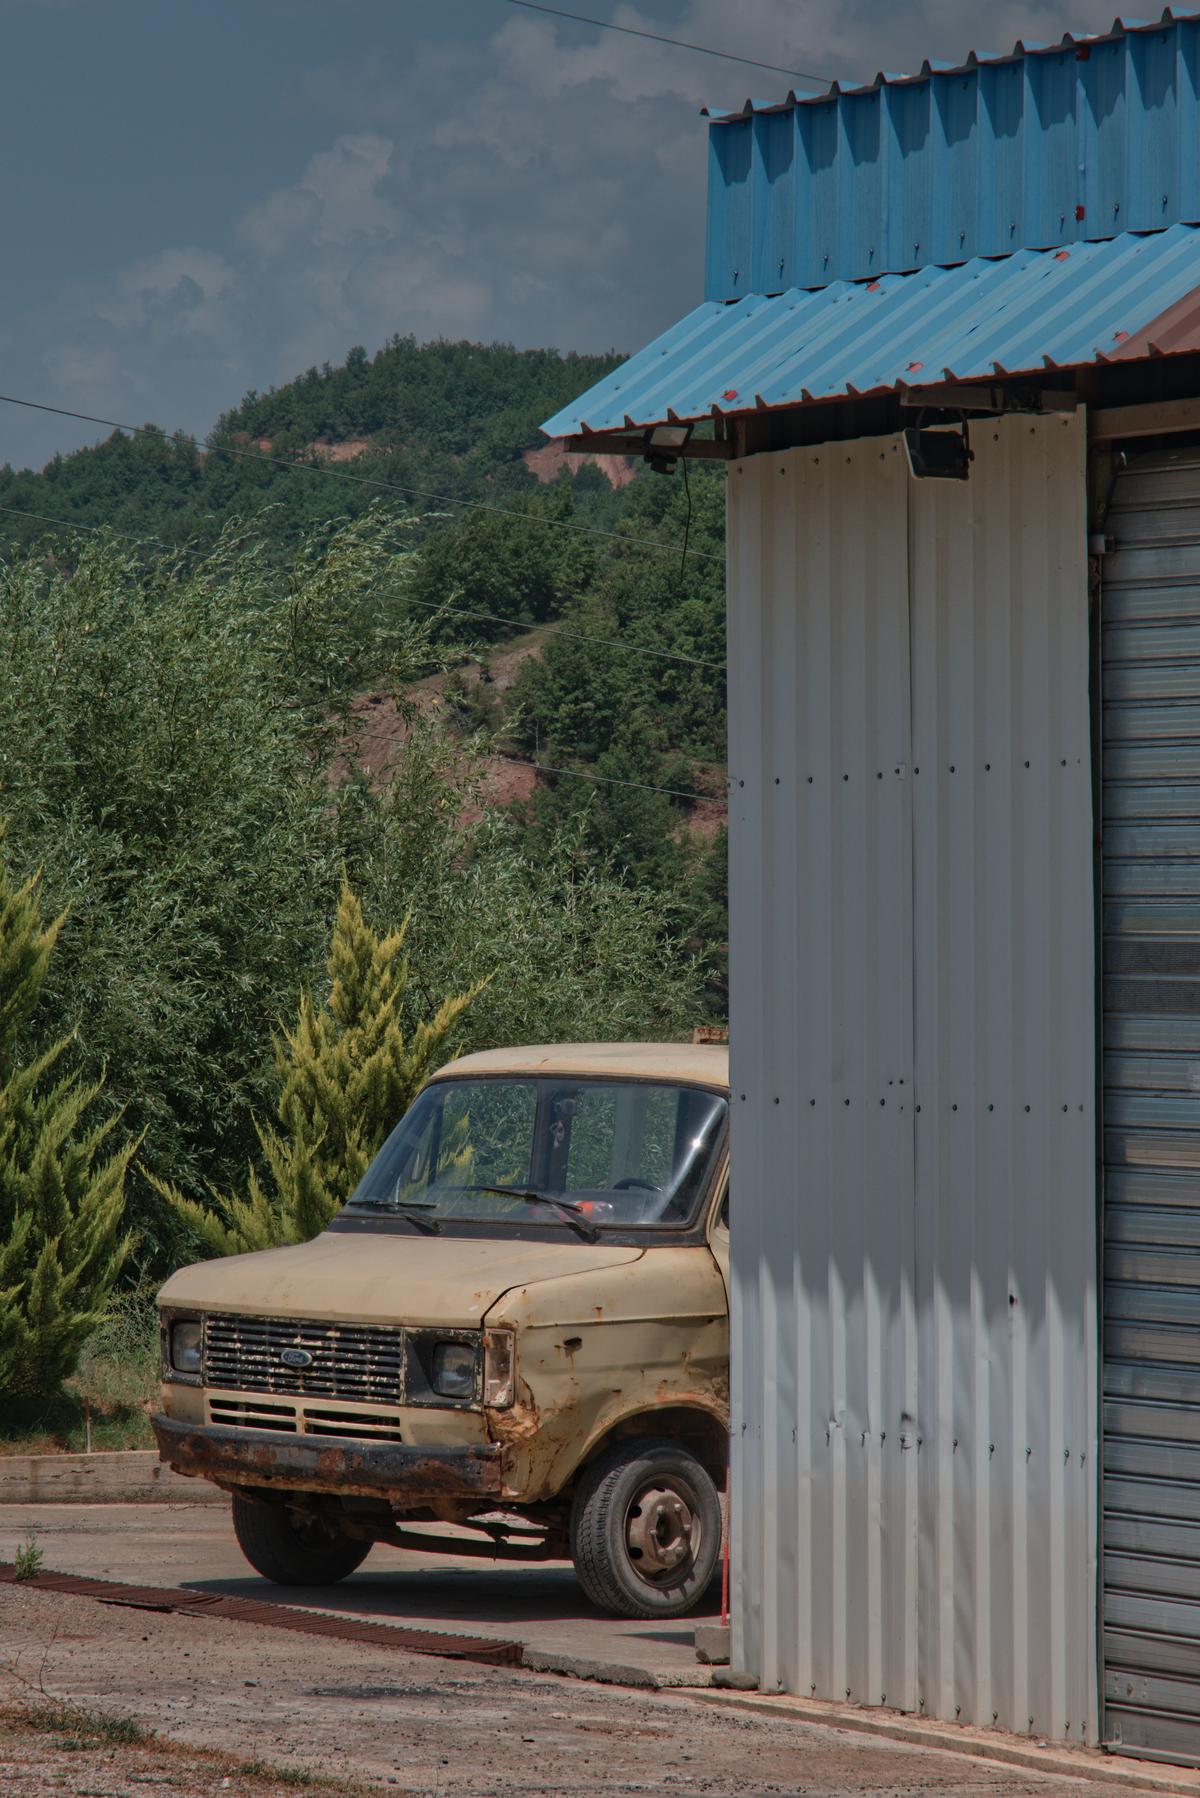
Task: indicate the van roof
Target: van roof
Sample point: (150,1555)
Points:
(703,1064)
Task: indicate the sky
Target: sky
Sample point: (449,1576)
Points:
(210,196)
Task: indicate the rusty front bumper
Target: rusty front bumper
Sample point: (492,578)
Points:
(262,1458)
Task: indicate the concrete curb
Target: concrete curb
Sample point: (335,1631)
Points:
(123,1476)
(614,1673)
(978,1744)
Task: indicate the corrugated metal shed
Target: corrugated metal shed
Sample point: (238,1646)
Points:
(1049,145)
(1026,312)
(914,1344)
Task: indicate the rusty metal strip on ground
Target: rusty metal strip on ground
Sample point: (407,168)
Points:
(278,1616)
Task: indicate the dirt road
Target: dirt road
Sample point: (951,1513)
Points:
(409,1725)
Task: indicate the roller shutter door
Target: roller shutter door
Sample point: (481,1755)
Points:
(1151,886)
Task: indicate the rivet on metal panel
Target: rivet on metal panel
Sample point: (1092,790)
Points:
(991,1108)
(991,1448)
(918,1108)
(1027,764)
(776,1100)
(777,780)
(1027,1108)
(810,780)
(845,777)
(812,1101)
(952,767)
(1065,1108)
(879,774)
(954,1108)
(1028,1454)
(845,1101)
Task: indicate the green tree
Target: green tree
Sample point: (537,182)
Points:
(347,1072)
(62,1186)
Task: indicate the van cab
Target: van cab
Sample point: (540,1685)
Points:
(518,1324)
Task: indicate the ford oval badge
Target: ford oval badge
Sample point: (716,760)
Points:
(295,1357)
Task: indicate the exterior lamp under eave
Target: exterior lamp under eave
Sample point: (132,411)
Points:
(664,445)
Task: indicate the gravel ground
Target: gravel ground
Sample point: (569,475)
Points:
(404,1723)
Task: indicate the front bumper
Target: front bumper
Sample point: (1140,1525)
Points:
(338,1465)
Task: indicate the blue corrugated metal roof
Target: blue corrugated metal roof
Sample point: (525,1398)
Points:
(1067,143)
(1028,311)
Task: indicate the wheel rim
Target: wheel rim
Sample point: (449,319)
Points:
(663,1532)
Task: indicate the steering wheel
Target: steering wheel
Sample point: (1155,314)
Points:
(632,1181)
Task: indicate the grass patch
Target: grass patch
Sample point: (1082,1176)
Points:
(116,1380)
(82,1728)
(75,1728)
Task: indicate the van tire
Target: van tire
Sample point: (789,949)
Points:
(646,1530)
(292,1550)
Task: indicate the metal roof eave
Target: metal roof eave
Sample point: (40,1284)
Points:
(1131,296)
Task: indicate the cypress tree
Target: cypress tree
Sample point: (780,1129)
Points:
(347,1072)
(62,1193)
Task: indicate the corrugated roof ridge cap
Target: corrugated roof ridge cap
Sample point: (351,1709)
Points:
(974,59)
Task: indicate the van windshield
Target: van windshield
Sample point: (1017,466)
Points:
(581,1154)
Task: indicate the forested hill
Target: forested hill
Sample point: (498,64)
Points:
(622,573)
(442,418)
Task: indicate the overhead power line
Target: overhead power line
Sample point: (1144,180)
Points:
(603,780)
(429,605)
(676,43)
(359,480)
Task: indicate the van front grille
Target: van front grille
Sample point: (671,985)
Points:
(363,1362)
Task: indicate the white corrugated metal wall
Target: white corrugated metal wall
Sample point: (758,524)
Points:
(913,1062)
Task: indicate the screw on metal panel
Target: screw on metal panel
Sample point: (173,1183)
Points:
(954,1444)
(810,780)
(812,1101)
(1065,1107)
(845,777)
(777,780)
(1012,1298)
(952,767)
(958,1710)
(995,1716)
(776,1101)
(987,767)
(743,1097)
(741,783)
(845,1101)
(1064,761)
(879,775)
(918,1108)
(954,1108)
(991,1448)
(1028,1453)
(1027,1108)
(1066,1454)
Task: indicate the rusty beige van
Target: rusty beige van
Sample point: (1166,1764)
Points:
(518,1324)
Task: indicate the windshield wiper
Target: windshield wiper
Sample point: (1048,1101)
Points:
(409,1209)
(570,1213)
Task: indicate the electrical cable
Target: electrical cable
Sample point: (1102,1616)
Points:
(676,43)
(360,480)
(573,774)
(429,605)
(604,780)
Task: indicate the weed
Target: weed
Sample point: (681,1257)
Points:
(286,1776)
(85,1729)
(27,1560)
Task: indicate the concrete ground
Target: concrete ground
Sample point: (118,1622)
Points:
(399,1723)
(194,1546)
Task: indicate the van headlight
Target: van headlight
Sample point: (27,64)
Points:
(185,1345)
(454,1366)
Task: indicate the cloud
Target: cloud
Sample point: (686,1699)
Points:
(542,184)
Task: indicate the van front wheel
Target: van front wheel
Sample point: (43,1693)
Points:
(291,1549)
(646,1530)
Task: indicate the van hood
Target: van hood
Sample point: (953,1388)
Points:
(452,1281)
